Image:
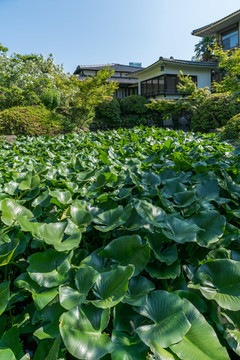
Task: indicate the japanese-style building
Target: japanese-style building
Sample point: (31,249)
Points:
(160,79)
(225,30)
(128,85)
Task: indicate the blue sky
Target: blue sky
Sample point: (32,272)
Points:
(84,32)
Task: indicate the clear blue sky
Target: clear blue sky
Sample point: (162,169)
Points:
(84,32)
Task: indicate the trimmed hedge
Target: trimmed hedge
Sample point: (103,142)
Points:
(134,104)
(214,112)
(29,120)
(108,112)
(232,128)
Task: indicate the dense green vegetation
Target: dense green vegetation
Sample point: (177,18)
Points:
(33,81)
(128,111)
(206,111)
(119,245)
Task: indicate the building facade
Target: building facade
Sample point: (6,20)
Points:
(160,79)
(226,31)
(128,84)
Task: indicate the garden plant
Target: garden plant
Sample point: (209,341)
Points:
(120,245)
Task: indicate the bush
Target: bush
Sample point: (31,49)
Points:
(29,120)
(214,111)
(51,99)
(108,112)
(232,128)
(134,120)
(134,104)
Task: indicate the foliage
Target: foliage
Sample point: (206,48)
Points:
(232,129)
(135,119)
(119,245)
(24,78)
(108,112)
(204,49)
(229,62)
(214,111)
(83,97)
(30,80)
(51,99)
(134,104)
(29,120)
(188,102)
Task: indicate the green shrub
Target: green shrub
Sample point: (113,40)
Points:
(134,104)
(51,99)
(214,111)
(232,128)
(108,112)
(134,120)
(29,120)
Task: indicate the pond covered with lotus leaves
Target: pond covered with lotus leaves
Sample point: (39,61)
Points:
(120,245)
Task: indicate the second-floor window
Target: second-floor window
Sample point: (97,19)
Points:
(230,39)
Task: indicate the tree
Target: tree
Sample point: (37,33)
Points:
(203,49)
(229,63)
(33,80)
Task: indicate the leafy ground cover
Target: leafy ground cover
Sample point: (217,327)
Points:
(120,245)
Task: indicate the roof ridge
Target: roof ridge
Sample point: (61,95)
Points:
(215,22)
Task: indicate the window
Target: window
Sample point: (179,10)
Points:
(230,39)
(161,85)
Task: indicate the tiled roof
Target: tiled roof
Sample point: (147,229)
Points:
(163,60)
(234,15)
(116,67)
(188,62)
(120,80)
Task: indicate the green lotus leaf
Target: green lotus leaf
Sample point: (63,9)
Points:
(193,298)
(29,182)
(11,210)
(10,340)
(208,189)
(180,230)
(160,353)
(7,250)
(112,285)
(212,225)
(173,186)
(131,319)
(139,287)
(163,271)
(158,242)
(64,197)
(219,280)
(49,269)
(4,295)
(94,261)
(7,354)
(128,250)
(152,214)
(200,342)
(43,298)
(111,219)
(69,297)
(52,233)
(80,217)
(233,339)
(85,278)
(25,282)
(151,179)
(81,333)
(128,347)
(185,198)
(169,323)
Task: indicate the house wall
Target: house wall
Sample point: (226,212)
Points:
(203,75)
